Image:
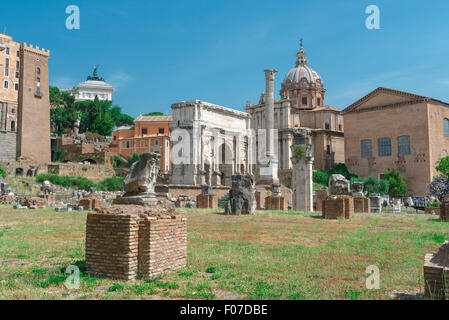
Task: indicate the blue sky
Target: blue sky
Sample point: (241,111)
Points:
(156,53)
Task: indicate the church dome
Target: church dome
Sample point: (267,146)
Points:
(302,69)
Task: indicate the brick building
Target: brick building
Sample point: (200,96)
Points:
(394,129)
(149,134)
(24,101)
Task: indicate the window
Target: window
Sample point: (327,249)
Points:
(5,84)
(6,72)
(367,149)
(115,138)
(144,130)
(13,126)
(340,128)
(156,142)
(161,130)
(38,92)
(403,145)
(446,127)
(384,147)
(7,62)
(127,144)
(18,54)
(17,64)
(7,50)
(17,74)
(38,70)
(304,101)
(38,80)
(16,86)
(327,126)
(318,102)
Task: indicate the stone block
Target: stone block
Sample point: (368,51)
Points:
(124,241)
(362,204)
(206,201)
(276,203)
(320,195)
(335,207)
(436,273)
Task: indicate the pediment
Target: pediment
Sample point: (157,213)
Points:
(383,97)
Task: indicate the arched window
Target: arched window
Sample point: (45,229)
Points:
(446,127)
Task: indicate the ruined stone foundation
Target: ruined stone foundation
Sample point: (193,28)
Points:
(362,204)
(338,206)
(436,273)
(207,201)
(124,241)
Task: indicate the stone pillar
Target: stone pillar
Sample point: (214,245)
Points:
(269,171)
(302,160)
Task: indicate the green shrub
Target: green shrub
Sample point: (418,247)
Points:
(433,204)
(299,152)
(372,185)
(321,177)
(111,184)
(82,183)
(2,172)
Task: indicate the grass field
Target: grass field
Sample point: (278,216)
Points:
(270,255)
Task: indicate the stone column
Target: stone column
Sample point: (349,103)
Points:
(269,108)
(269,171)
(302,161)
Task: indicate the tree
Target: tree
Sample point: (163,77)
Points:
(439,187)
(2,172)
(131,159)
(443,166)
(154,114)
(98,116)
(397,185)
(341,168)
(372,185)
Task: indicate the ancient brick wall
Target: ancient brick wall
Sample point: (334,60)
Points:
(8,142)
(94,172)
(191,191)
(162,245)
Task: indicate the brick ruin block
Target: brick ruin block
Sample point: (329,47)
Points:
(362,204)
(162,245)
(276,203)
(124,241)
(207,201)
(320,195)
(90,204)
(34,201)
(49,197)
(436,273)
(444,210)
(338,206)
(112,245)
